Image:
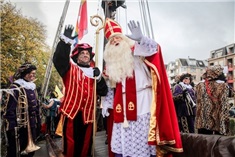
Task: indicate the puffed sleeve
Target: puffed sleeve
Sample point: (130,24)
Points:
(146,47)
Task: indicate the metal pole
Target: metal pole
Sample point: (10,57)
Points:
(56,40)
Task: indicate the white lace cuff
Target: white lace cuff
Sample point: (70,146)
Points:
(146,47)
(66,39)
(108,99)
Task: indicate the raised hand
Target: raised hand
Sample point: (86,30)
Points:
(68,30)
(136,33)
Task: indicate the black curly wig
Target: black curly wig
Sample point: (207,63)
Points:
(186,75)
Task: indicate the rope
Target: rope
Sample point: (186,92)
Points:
(10,91)
(126,19)
(142,16)
(150,21)
(146,18)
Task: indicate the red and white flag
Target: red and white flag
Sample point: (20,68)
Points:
(81,24)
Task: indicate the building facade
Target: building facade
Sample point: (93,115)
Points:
(195,67)
(225,57)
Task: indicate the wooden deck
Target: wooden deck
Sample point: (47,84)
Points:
(52,148)
(101,149)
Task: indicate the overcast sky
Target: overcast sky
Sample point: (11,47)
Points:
(189,28)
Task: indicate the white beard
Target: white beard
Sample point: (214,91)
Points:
(119,61)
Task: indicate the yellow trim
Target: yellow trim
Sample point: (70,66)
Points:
(172,149)
(66,97)
(153,119)
(59,129)
(154,129)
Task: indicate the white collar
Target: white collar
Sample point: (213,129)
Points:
(88,71)
(185,85)
(26,85)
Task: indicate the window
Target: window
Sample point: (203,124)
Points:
(193,70)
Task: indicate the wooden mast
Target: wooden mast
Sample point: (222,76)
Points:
(56,40)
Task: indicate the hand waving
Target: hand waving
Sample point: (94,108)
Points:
(68,30)
(136,33)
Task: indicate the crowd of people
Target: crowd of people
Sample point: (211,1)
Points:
(203,108)
(142,115)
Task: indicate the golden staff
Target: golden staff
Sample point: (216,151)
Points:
(96,23)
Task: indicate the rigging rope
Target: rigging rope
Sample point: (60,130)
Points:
(150,21)
(142,17)
(127,30)
(146,18)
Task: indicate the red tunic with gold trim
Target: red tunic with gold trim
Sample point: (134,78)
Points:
(78,94)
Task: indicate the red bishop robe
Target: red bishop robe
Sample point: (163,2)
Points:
(164,131)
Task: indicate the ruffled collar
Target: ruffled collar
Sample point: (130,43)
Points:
(185,85)
(26,85)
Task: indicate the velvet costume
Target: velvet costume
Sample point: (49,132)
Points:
(184,108)
(10,117)
(78,103)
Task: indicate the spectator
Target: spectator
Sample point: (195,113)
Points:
(212,103)
(22,112)
(185,100)
(52,113)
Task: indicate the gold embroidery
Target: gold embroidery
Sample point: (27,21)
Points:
(131,106)
(160,151)
(118,108)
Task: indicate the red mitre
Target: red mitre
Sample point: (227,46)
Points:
(111,28)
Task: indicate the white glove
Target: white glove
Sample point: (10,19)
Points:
(105,112)
(136,33)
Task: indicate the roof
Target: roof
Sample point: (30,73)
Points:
(192,62)
(183,62)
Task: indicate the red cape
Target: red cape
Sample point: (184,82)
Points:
(164,131)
